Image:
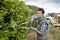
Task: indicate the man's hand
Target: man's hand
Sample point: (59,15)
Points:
(32,28)
(35,29)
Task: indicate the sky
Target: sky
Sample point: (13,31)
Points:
(48,5)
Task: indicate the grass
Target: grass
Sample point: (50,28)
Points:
(54,33)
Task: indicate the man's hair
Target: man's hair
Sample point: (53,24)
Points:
(41,9)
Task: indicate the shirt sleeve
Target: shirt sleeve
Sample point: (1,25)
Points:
(43,28)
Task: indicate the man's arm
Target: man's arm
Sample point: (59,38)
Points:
(35,29)
(38,31)
(43,27)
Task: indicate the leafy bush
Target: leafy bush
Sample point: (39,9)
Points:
(13,12)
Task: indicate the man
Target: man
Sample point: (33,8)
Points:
(42,25)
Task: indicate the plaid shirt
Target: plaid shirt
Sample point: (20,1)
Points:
(43,32)
(43,28)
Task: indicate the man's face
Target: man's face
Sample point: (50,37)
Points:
(39,14)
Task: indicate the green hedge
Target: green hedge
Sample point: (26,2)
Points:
(13,12)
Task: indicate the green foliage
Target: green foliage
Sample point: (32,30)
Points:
(34,9)
(13,12)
